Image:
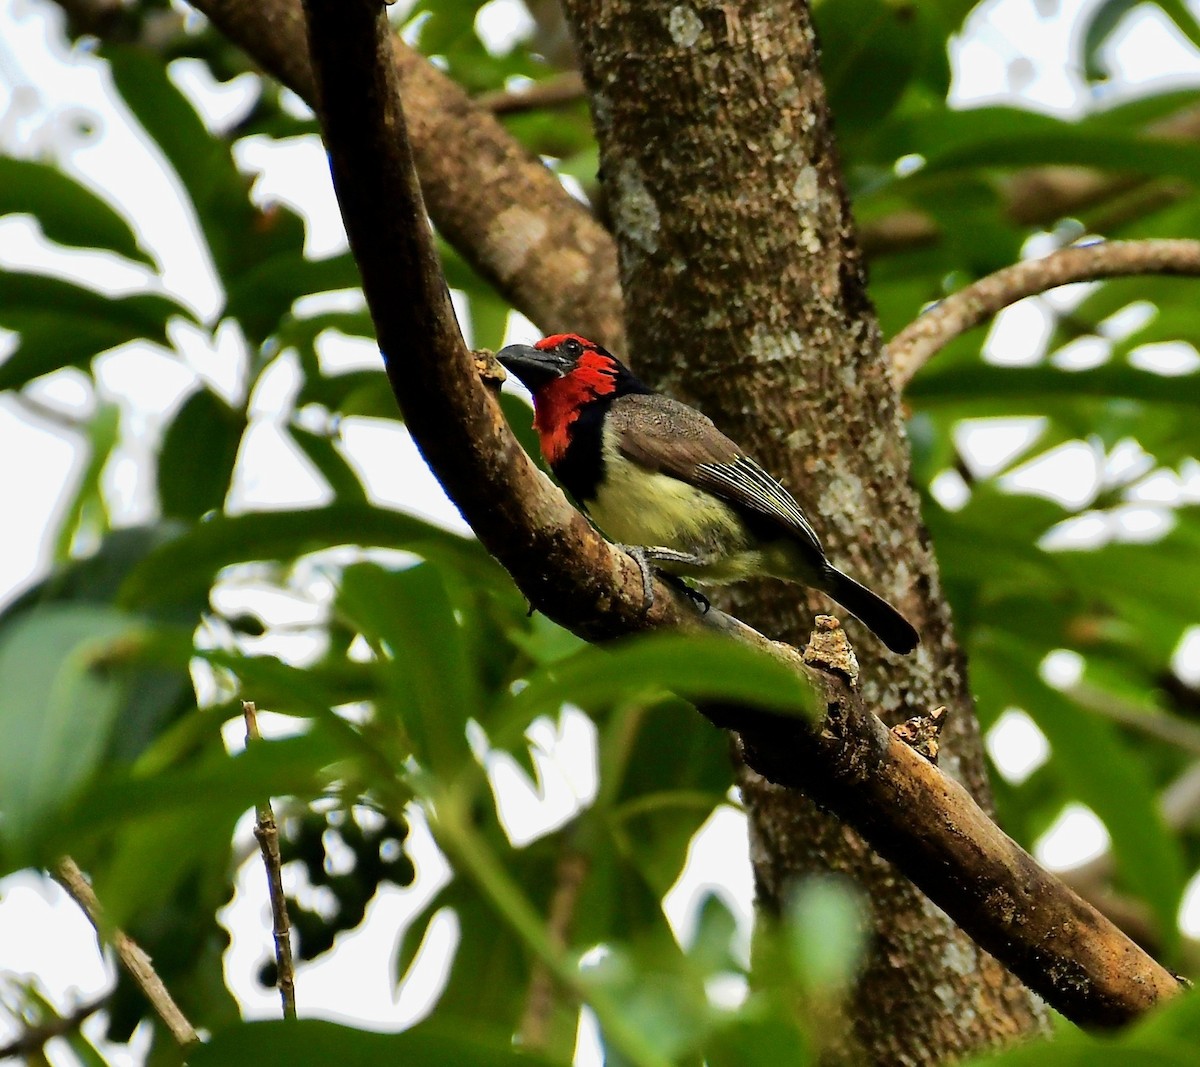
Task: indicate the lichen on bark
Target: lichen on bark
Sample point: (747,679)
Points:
(746,296)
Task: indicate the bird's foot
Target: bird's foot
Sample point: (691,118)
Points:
(643,557)
(638,555)
(694,595)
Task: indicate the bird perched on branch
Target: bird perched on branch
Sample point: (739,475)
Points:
(661,479)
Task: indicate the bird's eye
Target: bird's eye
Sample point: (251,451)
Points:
(572,348)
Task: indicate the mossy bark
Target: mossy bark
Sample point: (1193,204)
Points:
(746,297)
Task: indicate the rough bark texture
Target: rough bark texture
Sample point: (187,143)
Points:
(745,296)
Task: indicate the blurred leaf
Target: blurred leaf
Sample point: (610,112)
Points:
(65,325)
(869,49)
(60,693)
(1107,16)
(694,666)
(827,931)
(187,565)
(986,389)
(335,468)
(68,211)
(1097,769)
(461,1042)
(88,515)
(431,681)
(199,450)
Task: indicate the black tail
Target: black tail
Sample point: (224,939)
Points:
(875,613)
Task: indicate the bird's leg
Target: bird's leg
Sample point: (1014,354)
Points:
(644,557)
(639,556)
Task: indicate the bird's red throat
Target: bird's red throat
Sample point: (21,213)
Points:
(557,404)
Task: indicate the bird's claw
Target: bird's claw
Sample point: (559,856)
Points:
(642,558)
(638,555)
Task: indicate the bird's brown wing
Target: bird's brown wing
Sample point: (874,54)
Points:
(666,436)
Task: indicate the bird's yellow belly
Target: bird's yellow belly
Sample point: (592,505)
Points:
(635,506)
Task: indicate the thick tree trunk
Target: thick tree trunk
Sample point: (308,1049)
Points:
(745,296)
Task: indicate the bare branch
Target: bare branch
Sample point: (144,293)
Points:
(910,812)
(498,206)
(554,92)
(913,346)
(132,956)
(35,1037)
(267,834)
(569,875)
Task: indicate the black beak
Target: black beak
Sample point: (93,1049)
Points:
(533,366)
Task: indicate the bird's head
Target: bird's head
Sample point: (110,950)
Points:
(566,374)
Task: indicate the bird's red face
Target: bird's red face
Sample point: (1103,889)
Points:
(565,373)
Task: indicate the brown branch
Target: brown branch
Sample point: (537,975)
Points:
(1040,196)
(554,92)
(267,834)
(904,806)
(913,346)
(504,211)
(132,956)
(35,1037)
(569,875)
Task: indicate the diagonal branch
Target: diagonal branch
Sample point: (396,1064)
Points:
(504,211)
(908,810)
(132,956)
(913,346)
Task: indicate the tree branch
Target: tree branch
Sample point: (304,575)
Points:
(564,89)
(266,832)
(132,956)
(34,1039)
(913,346)
(504,212)
(909,811)
(570,872)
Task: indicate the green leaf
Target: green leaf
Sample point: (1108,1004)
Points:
(985,389)
(87,514)
(59,698)
(202,162)
(65,325)
(826,928)
(68,211)
(461,1042)
(1099,770)
(694,666)
(188,565)
(431,680)
(333,465)
(198,454)
(869,49)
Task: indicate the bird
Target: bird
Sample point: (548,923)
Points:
(659,479)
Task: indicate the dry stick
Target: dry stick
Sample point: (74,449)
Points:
(910,812)
(132,956)
(913,346)
(35,1037)
(569,875)
(267,833)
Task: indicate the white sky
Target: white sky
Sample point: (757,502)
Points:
(1012,52)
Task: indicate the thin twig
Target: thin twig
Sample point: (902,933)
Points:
(267,833)
(1166,728)
(35,1037)
(569,875)
(913,346)
(132,956)
(554,92)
